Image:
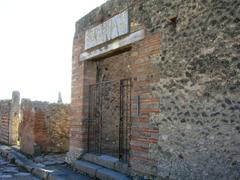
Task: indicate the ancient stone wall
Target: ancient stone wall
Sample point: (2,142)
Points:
(9,119)
(14,118)
(47,127)
(186,72)
(4,120)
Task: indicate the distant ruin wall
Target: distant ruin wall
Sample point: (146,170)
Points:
(5,108)
(9,119)
(47,127)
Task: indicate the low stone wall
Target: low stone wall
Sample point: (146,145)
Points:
(44,127)
(9,119)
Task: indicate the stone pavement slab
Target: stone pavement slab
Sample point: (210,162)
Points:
(39,167)
(97,171)
(51,159)
(10,171)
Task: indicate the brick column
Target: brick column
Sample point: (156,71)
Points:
(145,75)
(83,74)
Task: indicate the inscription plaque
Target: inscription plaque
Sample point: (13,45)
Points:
(110,29)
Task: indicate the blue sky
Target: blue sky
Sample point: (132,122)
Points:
(36,46)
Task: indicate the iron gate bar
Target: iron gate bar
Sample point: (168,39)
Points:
(124,123)
(121,148)
(89,109)
(95,114)
(100,123)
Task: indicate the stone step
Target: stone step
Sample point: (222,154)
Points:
(97,171)
(107,161)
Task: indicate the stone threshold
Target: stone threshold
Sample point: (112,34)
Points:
(107,162)
(98,172)
(102,167)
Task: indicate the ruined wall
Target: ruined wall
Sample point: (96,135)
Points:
(27,143)
(47,127)
(199,91)
(189,60)
(9,119)
(4,120)
(14,118)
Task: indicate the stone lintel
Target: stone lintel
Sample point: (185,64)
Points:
(113,46)
(115,27)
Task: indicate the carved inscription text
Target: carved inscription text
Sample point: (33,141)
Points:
(110,29)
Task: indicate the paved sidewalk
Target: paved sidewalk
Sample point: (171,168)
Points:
(51,167)
(10,171)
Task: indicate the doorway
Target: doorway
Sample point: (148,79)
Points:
(109,118)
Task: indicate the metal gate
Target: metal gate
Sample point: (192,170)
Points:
(109,118)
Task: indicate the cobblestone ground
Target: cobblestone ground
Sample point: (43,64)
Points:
(9,171)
